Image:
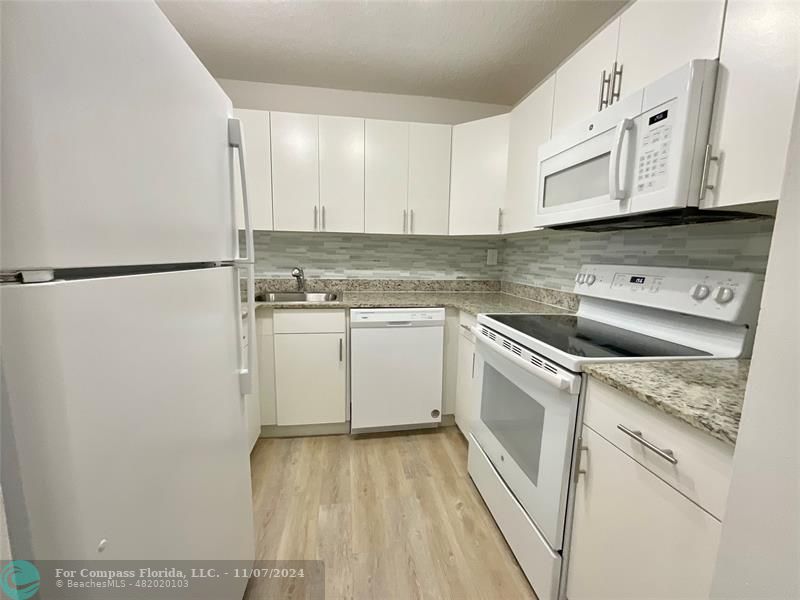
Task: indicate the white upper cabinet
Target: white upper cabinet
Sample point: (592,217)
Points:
(529,127)
(659,36)
(478,185)
(295,171)
(429,178)
(386,177)
(341,174)
(755,101)
(579,81)
(258,164)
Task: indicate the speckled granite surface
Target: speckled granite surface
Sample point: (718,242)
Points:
(707,394)
(471,302)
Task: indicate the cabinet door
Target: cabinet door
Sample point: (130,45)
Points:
(386,177)
(310,378)
(633,535)
(755,99)
(578,81)
(255,124)
(341,174)
(428,178)
(479,164)
(529,127)
(465,387)
(659,36)
(295,171)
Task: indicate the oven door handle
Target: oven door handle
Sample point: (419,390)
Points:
(563,381)
(616,191)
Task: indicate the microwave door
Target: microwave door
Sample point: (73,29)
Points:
(585,176)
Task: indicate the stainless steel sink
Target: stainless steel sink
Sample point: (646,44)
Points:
(296,297)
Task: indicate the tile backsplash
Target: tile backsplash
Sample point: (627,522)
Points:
(550,258)
(547,258)
(365,256)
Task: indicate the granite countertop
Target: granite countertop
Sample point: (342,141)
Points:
(471,302)
(706,394)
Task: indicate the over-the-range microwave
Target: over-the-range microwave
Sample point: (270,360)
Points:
(646,153)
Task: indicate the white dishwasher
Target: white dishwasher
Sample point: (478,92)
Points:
(396,365)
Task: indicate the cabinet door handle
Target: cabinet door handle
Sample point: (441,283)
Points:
(615,87)
(665,453)
(411,221)
(315,219)
(405,220)
(499,220)
(323,218)
(341,350)
(472,375)
(605,84)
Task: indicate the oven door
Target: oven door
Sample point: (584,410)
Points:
(526,427)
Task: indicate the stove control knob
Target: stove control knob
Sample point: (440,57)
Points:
(581,277)
(590,279)
(723,295)
(700,291)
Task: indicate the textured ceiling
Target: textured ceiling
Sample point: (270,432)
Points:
(487,51)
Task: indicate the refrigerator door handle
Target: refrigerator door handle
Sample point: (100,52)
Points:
(247,367)
(236,140)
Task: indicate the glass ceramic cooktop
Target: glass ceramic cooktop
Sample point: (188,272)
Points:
(592,339)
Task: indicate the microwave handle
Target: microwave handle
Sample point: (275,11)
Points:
(617,192)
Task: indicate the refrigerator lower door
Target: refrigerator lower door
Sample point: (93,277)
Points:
(115,141)
(122,419)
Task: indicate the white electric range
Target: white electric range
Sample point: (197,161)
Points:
(529,370)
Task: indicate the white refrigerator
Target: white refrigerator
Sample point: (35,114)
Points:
(123,376)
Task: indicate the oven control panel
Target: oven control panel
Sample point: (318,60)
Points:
(730,296)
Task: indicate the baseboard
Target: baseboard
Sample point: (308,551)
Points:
(284,431)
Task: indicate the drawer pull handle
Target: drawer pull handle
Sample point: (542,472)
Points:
(667,455)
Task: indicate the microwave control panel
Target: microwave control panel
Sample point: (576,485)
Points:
(655,135)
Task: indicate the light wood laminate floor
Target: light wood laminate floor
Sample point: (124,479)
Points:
(392,516)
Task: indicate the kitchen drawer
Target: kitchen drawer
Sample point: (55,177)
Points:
(466,322)
(703,470)
(306,320)
(264,321)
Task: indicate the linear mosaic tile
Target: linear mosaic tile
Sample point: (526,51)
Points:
(364,256)
(551,258)
(543,259)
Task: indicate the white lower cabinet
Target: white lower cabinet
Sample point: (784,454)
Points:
(466,392)
(310,367)
(634,536)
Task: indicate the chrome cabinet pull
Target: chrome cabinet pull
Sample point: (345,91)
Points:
(499,220)
(704,185)
(315,219)
(615,89)
(665,453)
(405,221)
(605,85)
(341,351)
(411,221)
(323,218)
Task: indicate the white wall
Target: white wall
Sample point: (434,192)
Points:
(759,554)
(325,101)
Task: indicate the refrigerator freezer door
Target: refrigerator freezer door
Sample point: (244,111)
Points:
(123,419)
(115,141)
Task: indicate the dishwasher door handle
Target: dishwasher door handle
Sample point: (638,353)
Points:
(399,323)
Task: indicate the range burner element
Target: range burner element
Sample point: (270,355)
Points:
(580,336)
